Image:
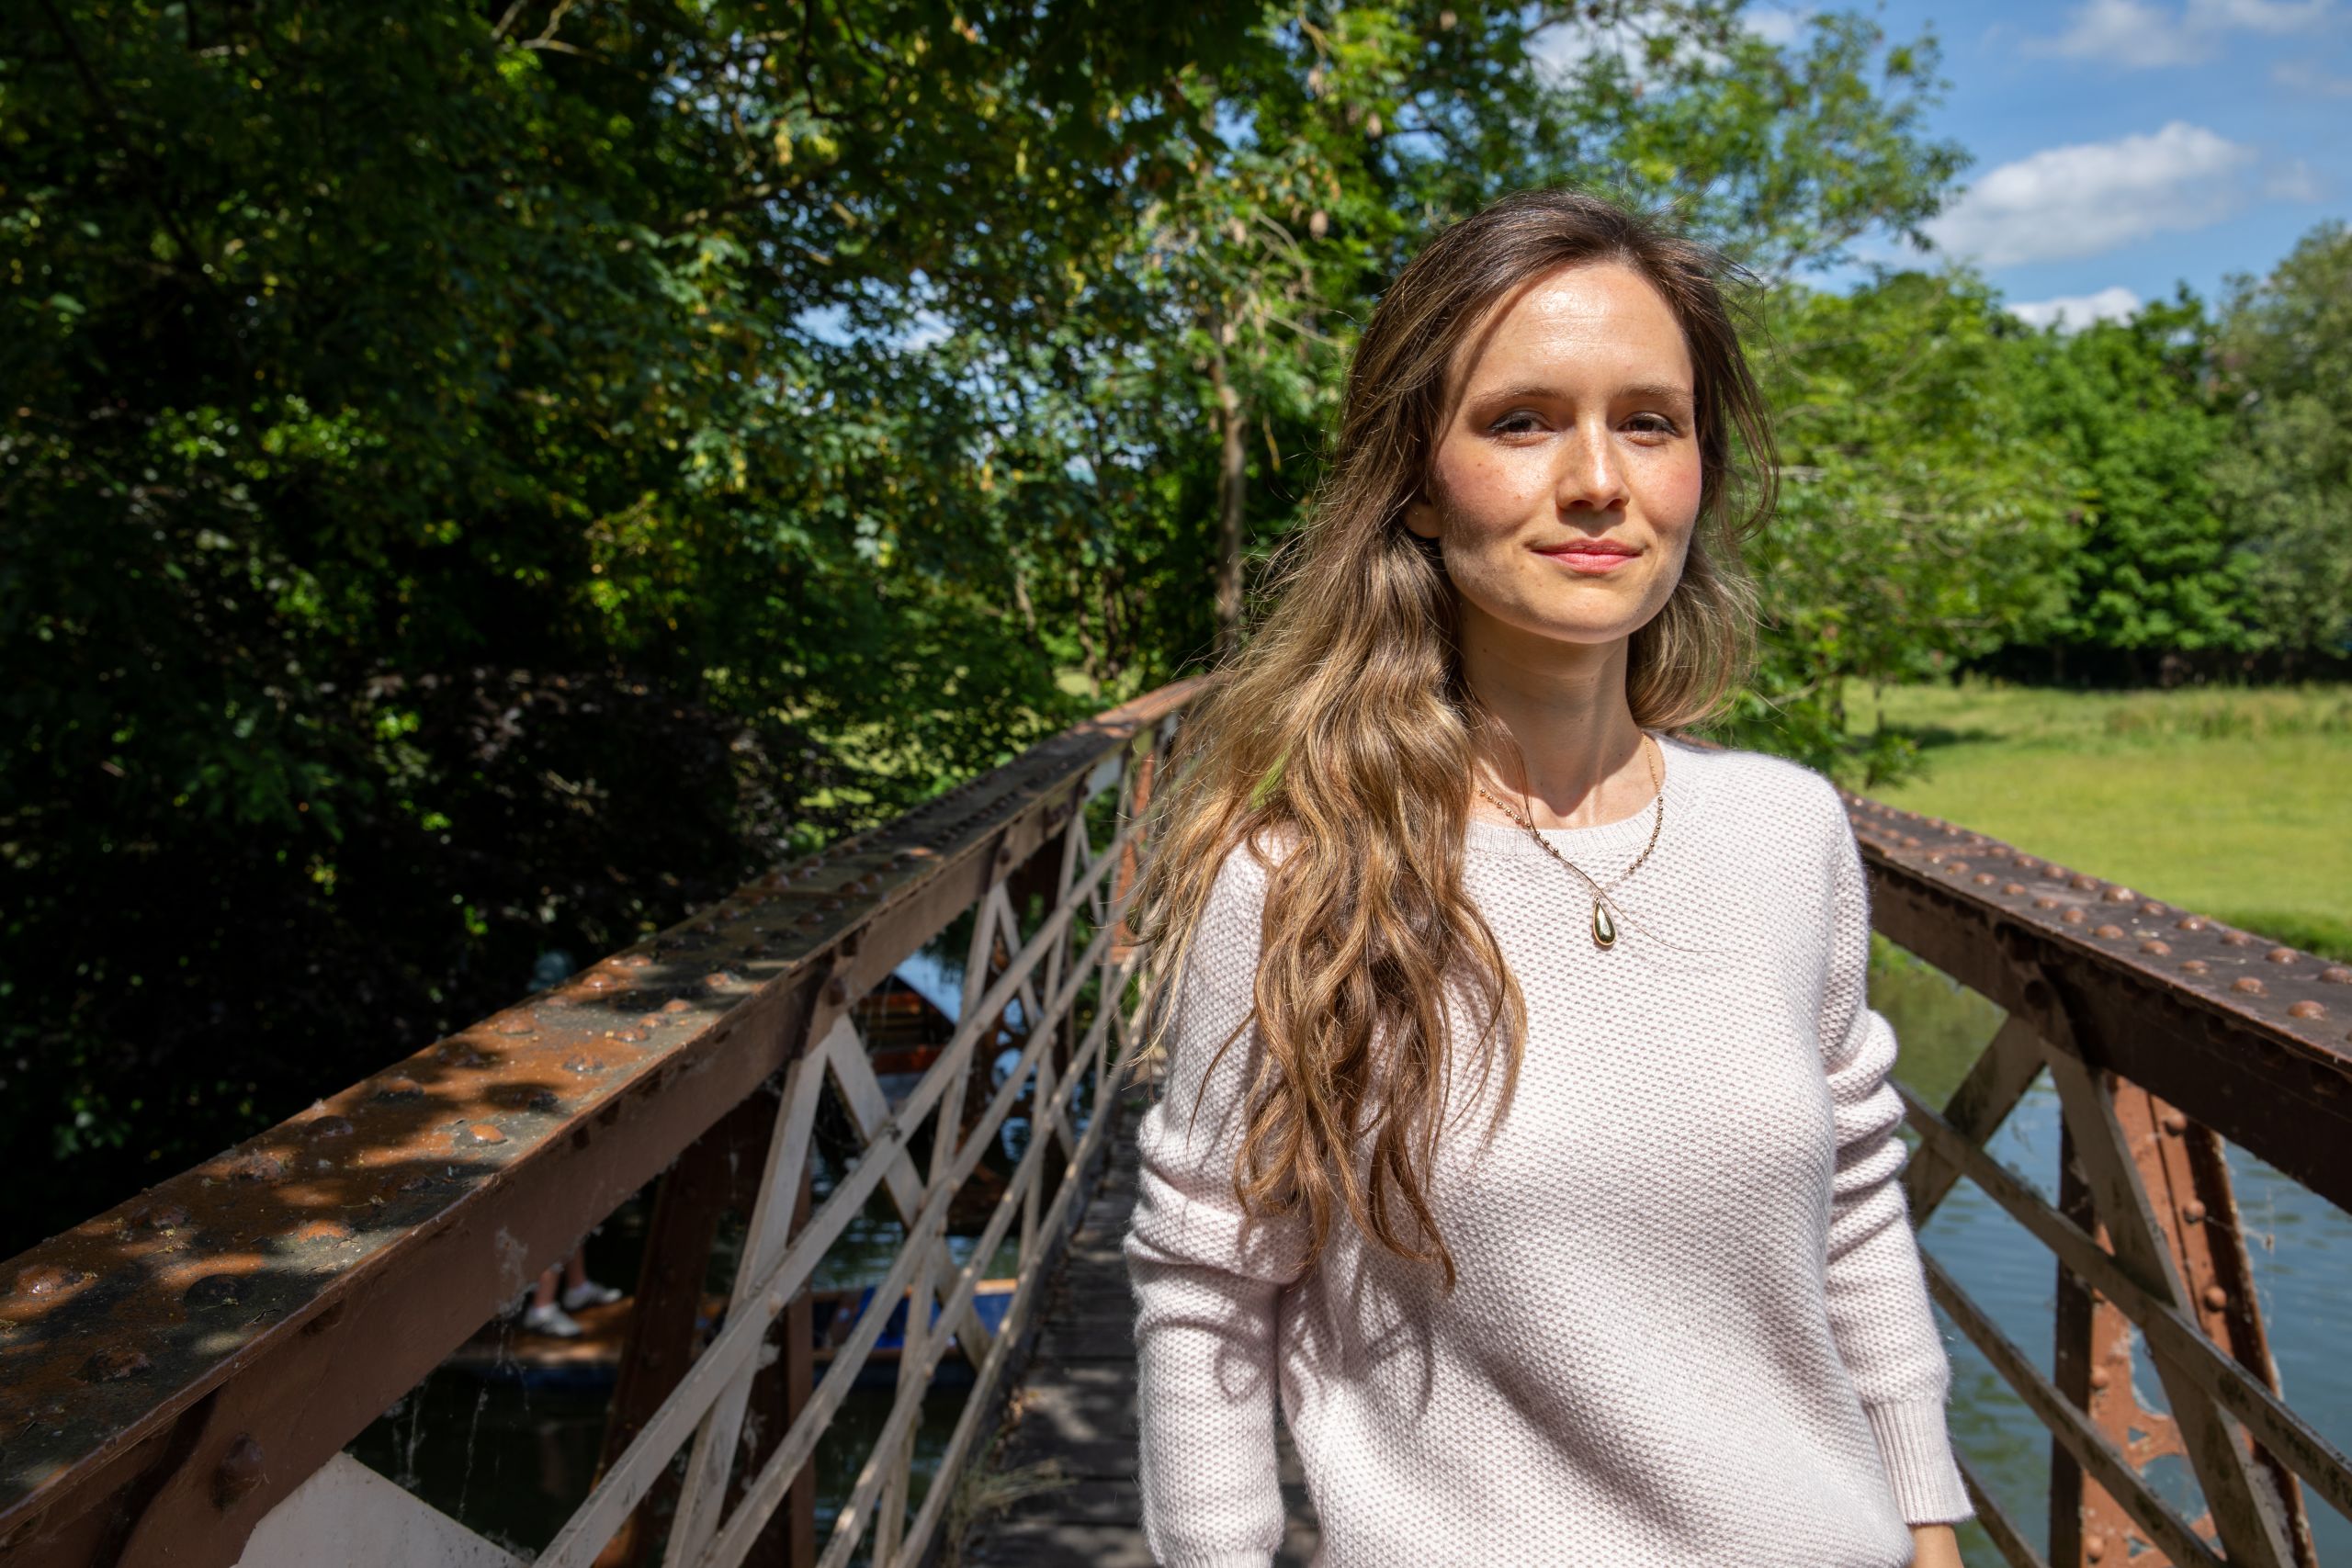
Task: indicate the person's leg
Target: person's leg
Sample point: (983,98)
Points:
(544,1316)
(581,1291)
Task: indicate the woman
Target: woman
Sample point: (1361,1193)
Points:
(1525,1134)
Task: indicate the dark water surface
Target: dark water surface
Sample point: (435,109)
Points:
(513,1463)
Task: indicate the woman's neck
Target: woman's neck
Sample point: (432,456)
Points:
(1566,751)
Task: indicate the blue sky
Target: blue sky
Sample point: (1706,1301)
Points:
(2124,146)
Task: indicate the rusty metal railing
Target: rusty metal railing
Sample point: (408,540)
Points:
(2163,1033)
(189,1366)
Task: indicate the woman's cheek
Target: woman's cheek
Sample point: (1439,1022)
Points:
(1483,495)
(1679,491)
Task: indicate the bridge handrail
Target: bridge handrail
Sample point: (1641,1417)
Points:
(178,1366)
(2163,1032)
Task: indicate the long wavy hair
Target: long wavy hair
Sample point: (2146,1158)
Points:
(1341,731)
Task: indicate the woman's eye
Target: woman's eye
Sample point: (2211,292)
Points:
(1517,422)
(1652,424)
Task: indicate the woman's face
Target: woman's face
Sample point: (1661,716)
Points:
(1567,480)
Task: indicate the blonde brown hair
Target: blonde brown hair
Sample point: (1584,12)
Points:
(1342,731)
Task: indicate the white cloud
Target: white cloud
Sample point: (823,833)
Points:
(1563,48)
(2139,33)
(2305,77)
(2294,182)
(2095,195)
(1776,25)
(2122,32)
(2258,16)
(2113,303)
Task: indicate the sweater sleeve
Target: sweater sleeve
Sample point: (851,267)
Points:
(1206,1282)
(1879,1312)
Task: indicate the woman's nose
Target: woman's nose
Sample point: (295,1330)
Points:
(1591,477)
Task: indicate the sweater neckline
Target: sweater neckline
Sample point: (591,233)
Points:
(1628,833)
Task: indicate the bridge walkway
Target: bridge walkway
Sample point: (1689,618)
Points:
(1075,1409)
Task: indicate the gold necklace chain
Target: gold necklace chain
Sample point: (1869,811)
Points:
(1604,929)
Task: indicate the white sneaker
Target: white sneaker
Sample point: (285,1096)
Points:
(550,1320)
(588,1294)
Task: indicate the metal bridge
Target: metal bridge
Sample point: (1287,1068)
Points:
(180,1376)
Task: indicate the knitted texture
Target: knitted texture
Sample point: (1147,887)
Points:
(1690,1325)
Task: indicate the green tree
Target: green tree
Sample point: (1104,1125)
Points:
(481,477)
(434,532)
(1924,503)
(2127,405)
(1337,139)
(2285,352)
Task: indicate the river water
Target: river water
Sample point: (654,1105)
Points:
(512,1463)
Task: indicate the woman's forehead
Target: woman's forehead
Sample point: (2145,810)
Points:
(1583,326)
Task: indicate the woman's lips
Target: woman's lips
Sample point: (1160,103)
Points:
(1593,557)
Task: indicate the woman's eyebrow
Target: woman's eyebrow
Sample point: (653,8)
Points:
(1644,391)
(1658,391)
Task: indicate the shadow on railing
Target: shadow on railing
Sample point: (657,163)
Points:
(183,1372)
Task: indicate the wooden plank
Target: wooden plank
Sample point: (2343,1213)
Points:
(1077,1414)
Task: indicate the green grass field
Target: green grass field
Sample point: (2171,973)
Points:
(2237,804)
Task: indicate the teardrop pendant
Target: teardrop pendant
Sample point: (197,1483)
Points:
(1604,930)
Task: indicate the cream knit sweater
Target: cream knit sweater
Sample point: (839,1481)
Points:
(1690,1325)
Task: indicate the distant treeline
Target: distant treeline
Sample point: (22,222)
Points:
(2144,501)
(479,479)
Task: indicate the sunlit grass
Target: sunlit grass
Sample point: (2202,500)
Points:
(2237,804)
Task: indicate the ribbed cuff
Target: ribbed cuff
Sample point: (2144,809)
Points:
(1916,1447)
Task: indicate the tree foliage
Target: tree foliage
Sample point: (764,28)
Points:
(2285,460)
(1922,519)
(482,477)
(2129,409)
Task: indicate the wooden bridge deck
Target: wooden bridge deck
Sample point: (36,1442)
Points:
(1075,1407)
